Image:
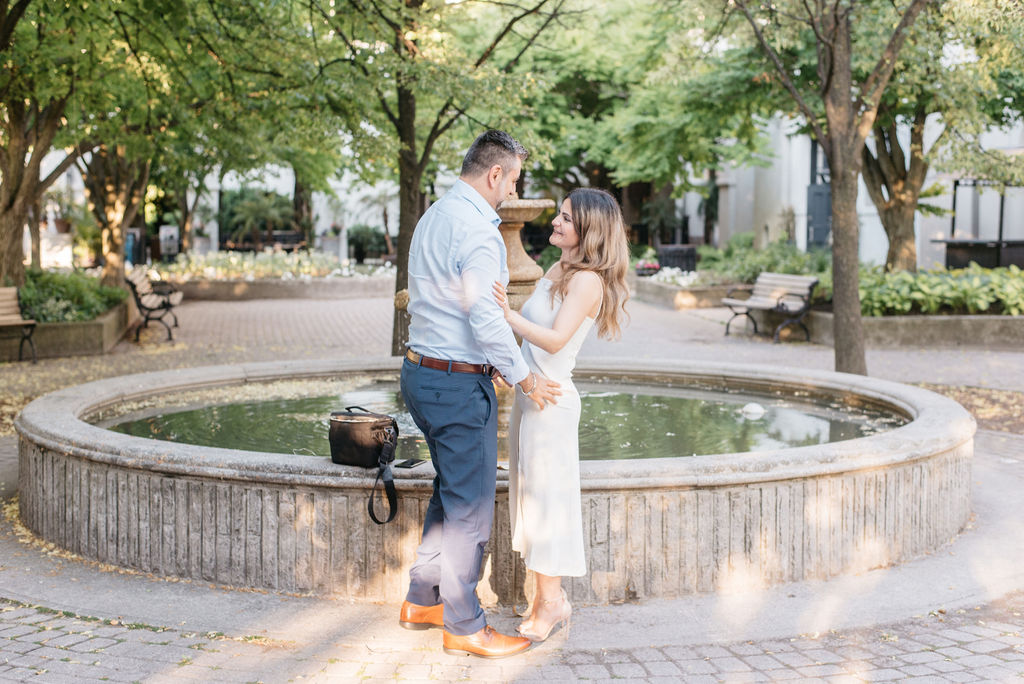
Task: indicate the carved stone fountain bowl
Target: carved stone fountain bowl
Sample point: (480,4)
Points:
(661,527)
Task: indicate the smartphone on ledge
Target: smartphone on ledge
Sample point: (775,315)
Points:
(410,463)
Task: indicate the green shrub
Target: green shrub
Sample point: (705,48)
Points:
(639,252)
(366,241)
(968,290)
(548,256)
(53,297)
(248,214)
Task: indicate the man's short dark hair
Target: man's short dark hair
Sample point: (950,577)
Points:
(492,148)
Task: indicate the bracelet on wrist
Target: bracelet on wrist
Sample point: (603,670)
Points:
(533,387)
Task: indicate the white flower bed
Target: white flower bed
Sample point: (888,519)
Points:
(249,266)
(671,275)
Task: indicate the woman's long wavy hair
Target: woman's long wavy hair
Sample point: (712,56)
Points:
(603,249)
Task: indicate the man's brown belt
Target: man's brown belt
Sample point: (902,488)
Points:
(453,366)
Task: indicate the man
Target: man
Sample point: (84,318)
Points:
(458,338)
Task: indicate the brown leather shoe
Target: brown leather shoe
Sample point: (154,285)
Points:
(421,617)
(485,644)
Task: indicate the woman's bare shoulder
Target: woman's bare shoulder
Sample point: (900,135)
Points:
(586,280)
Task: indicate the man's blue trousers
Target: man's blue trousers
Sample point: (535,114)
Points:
(458,415)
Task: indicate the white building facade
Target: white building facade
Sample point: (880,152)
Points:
(772,200)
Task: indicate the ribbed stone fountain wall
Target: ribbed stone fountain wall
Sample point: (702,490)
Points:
(654,528)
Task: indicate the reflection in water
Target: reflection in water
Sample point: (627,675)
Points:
(635,421)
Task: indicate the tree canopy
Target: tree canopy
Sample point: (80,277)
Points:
(604,93)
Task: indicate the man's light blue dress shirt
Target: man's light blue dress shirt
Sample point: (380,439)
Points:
(456,255)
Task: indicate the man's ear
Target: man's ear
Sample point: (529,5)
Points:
(494,175)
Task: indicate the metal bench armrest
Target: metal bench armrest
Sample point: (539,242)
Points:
(749,289)
(805,300)
(163,287)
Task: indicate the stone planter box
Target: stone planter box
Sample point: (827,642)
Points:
(86,338)
(675,297)
(910,331)
(318,288)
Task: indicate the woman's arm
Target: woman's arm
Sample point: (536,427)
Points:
(583,296)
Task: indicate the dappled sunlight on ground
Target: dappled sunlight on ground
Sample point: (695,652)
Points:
(741,594)
(844,591)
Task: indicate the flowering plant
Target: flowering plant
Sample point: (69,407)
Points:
(676,276)
(646,262)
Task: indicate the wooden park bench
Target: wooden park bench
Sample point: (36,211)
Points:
(154,301)
(10,317)
(789,295)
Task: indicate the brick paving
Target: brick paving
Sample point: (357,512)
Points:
(44,642)
(41,644)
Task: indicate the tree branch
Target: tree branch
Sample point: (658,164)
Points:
(787,82)
(873,179)
(918,168)
(440,126)
(391,116)
(399,31)
(505,30)
(10,21)
(873,87)
(65,164)
(813,20)
(536,34)
(899,159)
(886,149)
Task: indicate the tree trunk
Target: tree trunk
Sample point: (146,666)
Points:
(27,129)
(35,217)
(12,256)
(711,212)
(848,329)
(894,181)
(843,145)
(410,204)
(116,187)
(388,242)
(302,206)
(18,191)
(185,218)
(899,228)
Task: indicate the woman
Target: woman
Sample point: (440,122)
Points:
(586,286)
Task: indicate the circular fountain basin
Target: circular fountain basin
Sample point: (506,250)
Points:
(661,527)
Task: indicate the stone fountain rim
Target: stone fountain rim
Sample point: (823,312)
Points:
(516,202)
(54,421)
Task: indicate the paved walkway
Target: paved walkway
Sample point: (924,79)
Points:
(956,615)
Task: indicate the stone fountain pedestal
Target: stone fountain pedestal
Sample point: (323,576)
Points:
(523,271)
